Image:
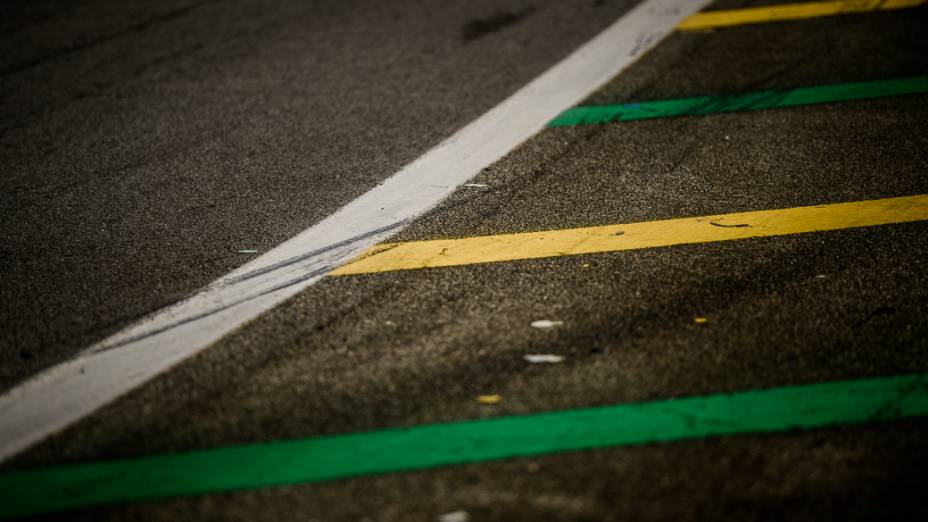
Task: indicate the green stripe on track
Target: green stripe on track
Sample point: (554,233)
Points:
(426,446)
(750,101)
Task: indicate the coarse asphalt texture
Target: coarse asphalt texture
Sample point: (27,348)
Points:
(247,123)
(144,145)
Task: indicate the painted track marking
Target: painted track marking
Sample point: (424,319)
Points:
(786,12)
(749,101)
(63,394)
(427,446)
(650,234)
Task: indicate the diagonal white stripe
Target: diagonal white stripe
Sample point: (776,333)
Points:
(65,393)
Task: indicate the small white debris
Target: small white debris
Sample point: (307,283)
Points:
(476,185)
(389,323)
(544,324)
(821,276)
(455,516)
(543,358)
(247,251)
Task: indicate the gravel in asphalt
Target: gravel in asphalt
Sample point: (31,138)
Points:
(370,351)
(143,145)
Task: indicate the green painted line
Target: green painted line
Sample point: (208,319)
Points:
(749,101)
(325,458)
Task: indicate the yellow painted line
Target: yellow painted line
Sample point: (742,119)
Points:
(632,236)
(785,12)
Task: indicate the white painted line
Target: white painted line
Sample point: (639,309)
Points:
(65,393)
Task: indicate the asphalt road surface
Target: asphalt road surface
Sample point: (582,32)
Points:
(145,145)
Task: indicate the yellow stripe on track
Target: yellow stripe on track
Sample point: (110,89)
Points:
(780,13)
(614,238)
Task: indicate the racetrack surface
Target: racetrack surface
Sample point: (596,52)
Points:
(146,145)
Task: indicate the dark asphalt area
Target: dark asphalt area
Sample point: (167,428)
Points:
(167,169)
(143,145)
